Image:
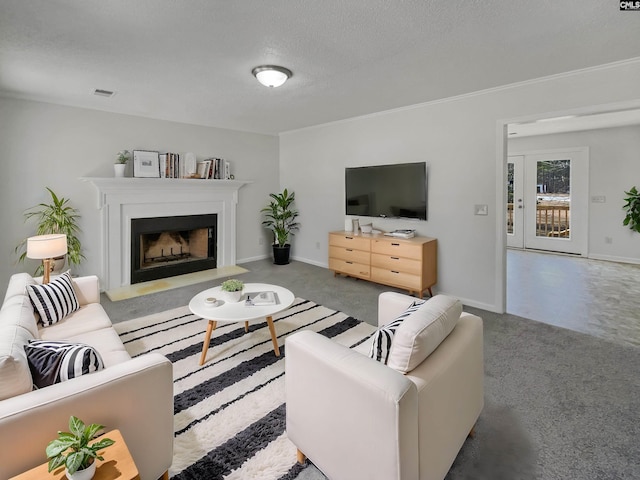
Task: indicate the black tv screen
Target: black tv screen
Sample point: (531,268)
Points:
(394,191)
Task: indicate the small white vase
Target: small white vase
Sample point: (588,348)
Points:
(86,474)
(232,297)
(118,169)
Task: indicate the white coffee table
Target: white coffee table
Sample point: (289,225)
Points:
(227,312)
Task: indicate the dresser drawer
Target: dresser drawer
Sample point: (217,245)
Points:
(350,268)
(349,254)
(350,241)
(398,264)
(396,278)
(397,248)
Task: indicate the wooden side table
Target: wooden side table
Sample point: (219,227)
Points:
(117,464)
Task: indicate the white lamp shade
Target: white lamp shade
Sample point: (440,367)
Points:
(272,75)
(46,246)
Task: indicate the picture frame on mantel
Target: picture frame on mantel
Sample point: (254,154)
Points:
(146,164)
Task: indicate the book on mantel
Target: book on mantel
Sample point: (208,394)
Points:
(261,298)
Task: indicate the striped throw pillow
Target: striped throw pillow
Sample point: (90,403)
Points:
(383,337)
(54,300)
(54,362)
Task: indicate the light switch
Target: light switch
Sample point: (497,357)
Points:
(598,199)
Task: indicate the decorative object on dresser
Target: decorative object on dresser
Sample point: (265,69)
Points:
(57,217)
(280,218)
(408,263)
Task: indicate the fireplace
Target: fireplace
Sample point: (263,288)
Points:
(168,246)
(121,200)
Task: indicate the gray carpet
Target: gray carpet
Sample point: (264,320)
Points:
(558,404)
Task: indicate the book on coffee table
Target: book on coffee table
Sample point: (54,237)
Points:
(261,298)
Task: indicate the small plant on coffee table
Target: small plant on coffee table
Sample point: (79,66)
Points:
(232,285)
(79,454)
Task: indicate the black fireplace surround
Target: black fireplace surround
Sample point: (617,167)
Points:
(167,246)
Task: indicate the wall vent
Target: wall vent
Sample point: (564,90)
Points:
(103,93)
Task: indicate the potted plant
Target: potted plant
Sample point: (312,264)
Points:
(121,163)
(55,217)
(72,450)
(280,217)
(632,207)
(232,289)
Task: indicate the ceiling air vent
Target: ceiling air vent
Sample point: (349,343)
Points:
(103,93)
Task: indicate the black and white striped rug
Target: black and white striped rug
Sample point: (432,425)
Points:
(229,414)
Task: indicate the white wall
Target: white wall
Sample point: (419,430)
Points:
(50,145)
(614,167)
(457,138)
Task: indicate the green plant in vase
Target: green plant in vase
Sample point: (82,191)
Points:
(280,218)
(55,217)
(632,207)
(72,449)
(122,157)
(232,289)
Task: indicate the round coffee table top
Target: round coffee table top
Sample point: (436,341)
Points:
(224,311)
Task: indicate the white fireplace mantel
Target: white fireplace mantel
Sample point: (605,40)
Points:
(123,199)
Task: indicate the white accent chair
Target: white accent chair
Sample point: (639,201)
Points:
(356,418)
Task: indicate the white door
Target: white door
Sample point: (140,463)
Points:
(554,200)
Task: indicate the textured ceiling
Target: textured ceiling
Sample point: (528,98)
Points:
(191,60)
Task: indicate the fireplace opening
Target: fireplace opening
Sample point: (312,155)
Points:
(167,246)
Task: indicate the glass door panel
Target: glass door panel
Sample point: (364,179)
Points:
(553,198)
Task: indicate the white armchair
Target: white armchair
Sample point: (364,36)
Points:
(356,418)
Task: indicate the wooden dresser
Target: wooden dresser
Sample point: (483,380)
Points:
(403,263)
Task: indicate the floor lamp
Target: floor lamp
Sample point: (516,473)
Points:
(45,248)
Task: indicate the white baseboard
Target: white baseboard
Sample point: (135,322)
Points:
(251,259)
(612,258)
(310,262)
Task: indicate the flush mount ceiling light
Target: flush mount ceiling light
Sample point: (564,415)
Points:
(271,75)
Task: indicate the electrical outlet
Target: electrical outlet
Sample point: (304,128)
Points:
(608,240)
(260,241)
(481,209)
(598,199)
(317,245)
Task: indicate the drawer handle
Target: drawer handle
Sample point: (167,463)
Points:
(349,263)
(395,244)
(349,238)
(395,258)
(393,271)
(349,249)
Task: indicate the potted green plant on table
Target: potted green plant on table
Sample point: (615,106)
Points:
(632,207)
(232,289)
(72,450)
(55,217)
(280,218)
(121,162)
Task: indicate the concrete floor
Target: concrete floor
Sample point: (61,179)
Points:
(590,296)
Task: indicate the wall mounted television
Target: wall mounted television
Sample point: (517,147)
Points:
(388,191)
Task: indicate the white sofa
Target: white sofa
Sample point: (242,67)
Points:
(357,418)
(132,395)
